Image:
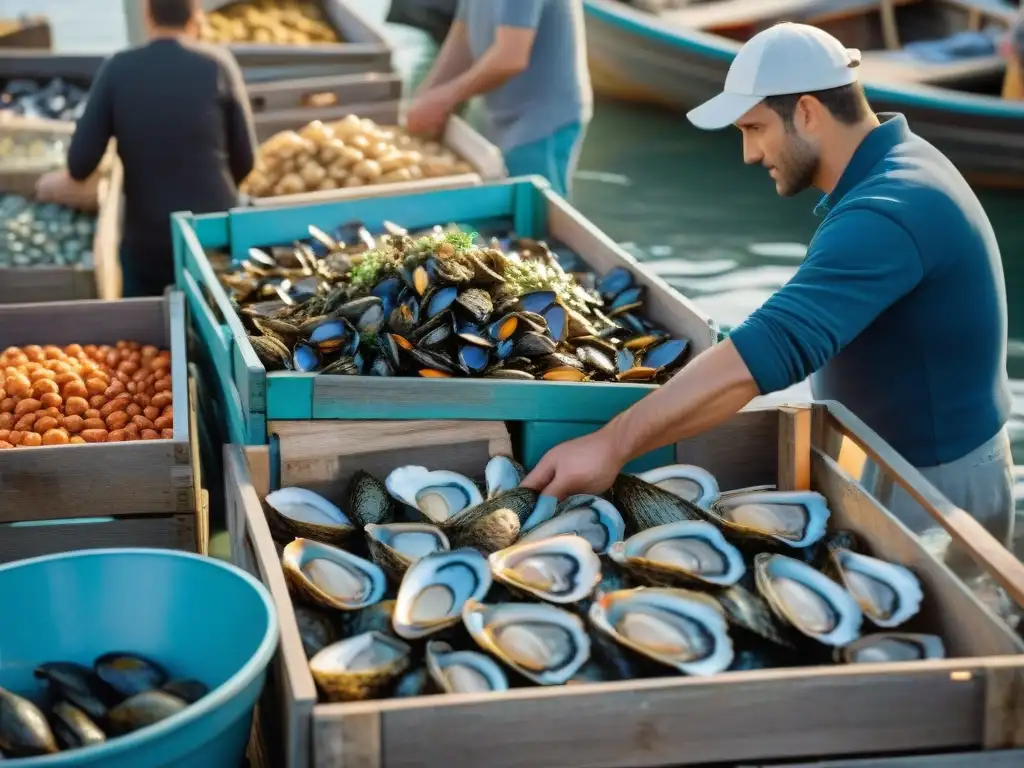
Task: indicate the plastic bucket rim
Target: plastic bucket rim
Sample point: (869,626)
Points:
(233,686)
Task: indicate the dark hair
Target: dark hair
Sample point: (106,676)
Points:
(172,13)
(847,103)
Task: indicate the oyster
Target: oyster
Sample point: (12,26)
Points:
(794,518)
(309,515)
(369,500)
(891,646)
(545,644)
(362,667)
(463,671)
(749,613)
(434,590)
(332,577)
(690,483)
(439,495)
(681,629)
(595,519)
(493,524)
(807,599)
(887,593)
(690,552)
(563,569)
(502,474)
(396,546)
(645,505)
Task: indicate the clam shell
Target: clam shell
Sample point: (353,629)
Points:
(563,569)
(807,599)
(332,577)
(434,590)
(794,518)
(891,647)
(545,644)
(439,495)
(463,671)
(675,627)
(361,667)
(888,594)
(595,519)
(690,483)
(687,553)
(396,546)
(307,514)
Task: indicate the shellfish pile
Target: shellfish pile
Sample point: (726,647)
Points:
(277,22)
(429,582)
(443,305)
(44,234)
(87,706)
(56,99)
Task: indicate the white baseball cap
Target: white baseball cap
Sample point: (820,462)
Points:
(785,58)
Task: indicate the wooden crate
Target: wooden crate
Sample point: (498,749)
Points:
(530,209)
(26,32)
(312,94)
(362,49)
(80,69)
(997,758)
(459,137)
(102,194)
(141,478)
(322,456)
(970,701)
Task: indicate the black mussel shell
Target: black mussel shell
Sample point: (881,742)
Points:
(142,709)
(614,282)
(556,318)
(353,310)
(305,358)
(388,345)
(537,301)
(439,300)
(271,352)
(504,327)
(474,335)
(406,316)
(432,360)
(343,366)
(534,344)
(504,349)
(510,373)
(630,297)
(129,673)
(473,358)
(189,691)
(666,354)
(329,335)
(24,731)
(430,328)
(624,360)
(79,685)
(558,360)
(476,303)
(388,291)
(381,367)
(595,358)
(73,728)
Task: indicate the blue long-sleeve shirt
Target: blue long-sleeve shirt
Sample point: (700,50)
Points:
(899,308)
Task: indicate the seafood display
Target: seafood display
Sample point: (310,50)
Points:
(82,706)
(44,234)
(54,395)
(55,99)
(461,586)
(442,305)
(352,152)
(278,22)
(26,149)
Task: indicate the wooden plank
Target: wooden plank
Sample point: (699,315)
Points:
(353,741)
(740,453)
(988,553)
(1004,707)
(314,93)
(949,609)
(297,689)
(684,721)
(995,759)
(162,531)
(794,448)
(201,496)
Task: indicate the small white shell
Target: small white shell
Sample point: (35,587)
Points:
(439,495)
(563,569)
(463,671)
(694,484)
(434,590)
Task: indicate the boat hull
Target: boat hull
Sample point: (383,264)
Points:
(635,57)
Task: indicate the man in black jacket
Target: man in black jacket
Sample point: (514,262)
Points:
(184,132)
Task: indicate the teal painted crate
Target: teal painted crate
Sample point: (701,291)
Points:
(533,210)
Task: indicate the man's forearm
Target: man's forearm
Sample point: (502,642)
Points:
(713,387)
(453,59)
(490,71)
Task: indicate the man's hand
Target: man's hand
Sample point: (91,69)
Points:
(55,186)
(588,464)
(429,113)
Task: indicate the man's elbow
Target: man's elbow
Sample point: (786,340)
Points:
(512,62)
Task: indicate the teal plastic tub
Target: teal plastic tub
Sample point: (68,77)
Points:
(197,617)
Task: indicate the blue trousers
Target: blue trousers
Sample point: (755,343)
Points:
(554,157)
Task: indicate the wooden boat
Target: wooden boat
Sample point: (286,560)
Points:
(679,58)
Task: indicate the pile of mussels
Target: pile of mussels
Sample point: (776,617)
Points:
(55,100)
(121,693)
(440,305)
(44,234)
(431,583)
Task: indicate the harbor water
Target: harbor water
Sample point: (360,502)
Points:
(679,199)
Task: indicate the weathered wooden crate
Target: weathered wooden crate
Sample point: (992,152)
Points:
(26,32)
(252,397)
(101,194)
(969,701)
(76,68)
(310,95)
(142,478)
(459,137)
(362,49)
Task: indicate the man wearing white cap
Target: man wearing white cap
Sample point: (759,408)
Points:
(898,310)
